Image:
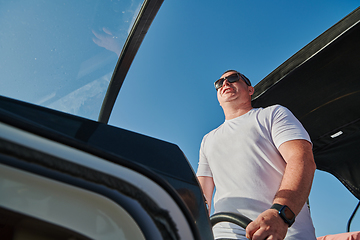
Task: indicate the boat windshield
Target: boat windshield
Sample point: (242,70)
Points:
(62,54)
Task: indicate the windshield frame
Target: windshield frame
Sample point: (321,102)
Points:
(141,25)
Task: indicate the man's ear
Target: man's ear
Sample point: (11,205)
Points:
(251,90)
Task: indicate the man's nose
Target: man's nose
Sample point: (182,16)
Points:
(226,82)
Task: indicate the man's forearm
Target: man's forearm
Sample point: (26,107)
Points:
(298,176)
(293,191)
(207,185)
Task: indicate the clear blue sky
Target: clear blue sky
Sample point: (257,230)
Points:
(169,93)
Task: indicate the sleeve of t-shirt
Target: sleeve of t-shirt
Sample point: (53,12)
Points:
(286,127)
(203,166)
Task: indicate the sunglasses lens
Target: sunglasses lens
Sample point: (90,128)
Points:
(233,78)
(219,83)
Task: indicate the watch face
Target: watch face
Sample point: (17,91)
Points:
(285,213)
(288,213)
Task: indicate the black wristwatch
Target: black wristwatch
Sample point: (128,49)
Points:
(285,213)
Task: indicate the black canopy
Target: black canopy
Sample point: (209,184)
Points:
(320,84)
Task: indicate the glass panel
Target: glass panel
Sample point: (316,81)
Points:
(61,54)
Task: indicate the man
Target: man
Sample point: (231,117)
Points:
(261,163)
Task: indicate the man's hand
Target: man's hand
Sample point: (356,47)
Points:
(268,225)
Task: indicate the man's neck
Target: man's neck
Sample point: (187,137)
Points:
(234,112)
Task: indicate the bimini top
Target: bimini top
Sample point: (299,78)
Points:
(320,84)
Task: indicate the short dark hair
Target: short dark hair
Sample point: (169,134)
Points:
(246,80)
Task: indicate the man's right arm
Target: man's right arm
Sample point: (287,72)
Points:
(207,185)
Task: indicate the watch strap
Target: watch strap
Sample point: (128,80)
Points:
(277,206)
(281,209)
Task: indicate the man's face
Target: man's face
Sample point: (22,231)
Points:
(236,91)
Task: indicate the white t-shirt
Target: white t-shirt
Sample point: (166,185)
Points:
(242,157)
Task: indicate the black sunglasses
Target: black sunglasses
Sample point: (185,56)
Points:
(231,78)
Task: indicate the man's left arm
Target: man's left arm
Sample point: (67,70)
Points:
(293,191)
